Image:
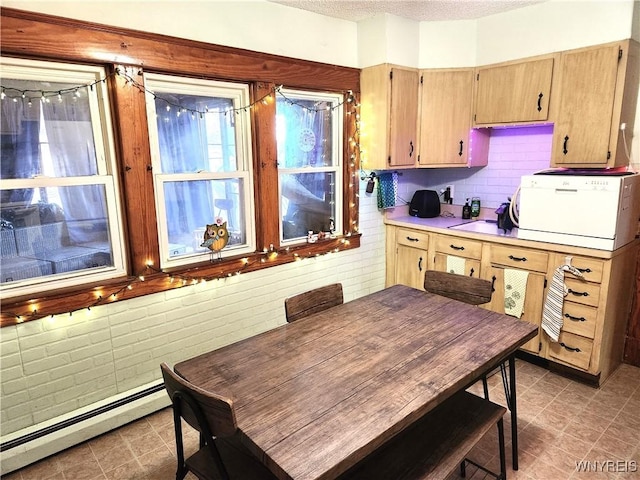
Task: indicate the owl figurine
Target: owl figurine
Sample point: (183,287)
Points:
(216,237)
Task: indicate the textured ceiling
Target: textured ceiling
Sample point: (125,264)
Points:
(419,10)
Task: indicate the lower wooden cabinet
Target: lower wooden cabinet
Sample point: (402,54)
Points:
(411,257)
(534,300)
(574,350)
(595,310)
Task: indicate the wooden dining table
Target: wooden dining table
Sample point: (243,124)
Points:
(316,396)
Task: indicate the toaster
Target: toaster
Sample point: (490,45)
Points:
(425,204)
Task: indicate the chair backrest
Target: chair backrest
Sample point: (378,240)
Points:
(193,402)
(313,301)
(472,290)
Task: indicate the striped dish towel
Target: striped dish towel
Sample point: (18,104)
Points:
(515,290)
(456,265)
(552,321)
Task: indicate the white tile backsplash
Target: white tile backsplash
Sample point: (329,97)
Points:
(513,152)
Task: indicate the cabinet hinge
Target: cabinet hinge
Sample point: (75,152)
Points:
(418,158)
(539,346)
(545,283)
(609,155)
(619,54)
(421,79)
(477,76)
(389,160)
(391,75)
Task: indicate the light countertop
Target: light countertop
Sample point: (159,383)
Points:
(488,231)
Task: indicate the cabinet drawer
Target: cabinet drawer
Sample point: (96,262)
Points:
(412,238)
(579,319)
(591,268)
(582,292)
(460,247)
(519,258)
(572,349)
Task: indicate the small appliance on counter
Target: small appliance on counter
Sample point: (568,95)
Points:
(589,209)
(425,204)
(505,222)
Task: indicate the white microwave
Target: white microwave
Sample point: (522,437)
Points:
(593,211)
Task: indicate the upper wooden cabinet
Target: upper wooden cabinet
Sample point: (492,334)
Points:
(446,98)
(598,92)
(513,92)
(389,116)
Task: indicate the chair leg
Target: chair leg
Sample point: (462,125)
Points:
(181,471)
(485,387)
(503,463)
(463,468)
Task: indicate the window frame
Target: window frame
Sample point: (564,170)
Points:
(106,175)
(337,150)
(126,53)
(156,85)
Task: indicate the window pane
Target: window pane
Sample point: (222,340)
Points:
(304,130)
(308,203)
(309,149)
(50,136)
(192,205)
(196,133)
(54,230)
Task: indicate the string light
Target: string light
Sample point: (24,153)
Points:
(270,254)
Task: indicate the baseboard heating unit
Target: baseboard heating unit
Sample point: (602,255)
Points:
(29,445)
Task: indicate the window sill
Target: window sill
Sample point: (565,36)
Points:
(153,280)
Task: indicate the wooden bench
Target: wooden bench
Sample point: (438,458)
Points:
(437,444)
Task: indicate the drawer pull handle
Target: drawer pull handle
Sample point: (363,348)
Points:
(571,349)
(584,270)
(575,319)
(578,294)
(518,259)
(411,239)
(456,248)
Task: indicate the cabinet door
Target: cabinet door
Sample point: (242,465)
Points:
(403,126)
(534,301)
(471,266)
(587,88)
(410,266)
(445,116)
(517,92)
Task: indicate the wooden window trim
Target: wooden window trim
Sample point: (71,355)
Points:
(37,36)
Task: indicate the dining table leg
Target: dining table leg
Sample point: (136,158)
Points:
(513,408)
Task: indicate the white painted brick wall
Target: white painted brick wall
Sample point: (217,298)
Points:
(55,366)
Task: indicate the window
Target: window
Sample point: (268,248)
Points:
(200,145)
(309,137)
(59,209)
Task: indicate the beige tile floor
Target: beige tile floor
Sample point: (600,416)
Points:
(561,422)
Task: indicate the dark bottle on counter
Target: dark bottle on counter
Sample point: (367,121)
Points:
(466,211)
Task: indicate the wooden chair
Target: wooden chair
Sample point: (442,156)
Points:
(221,455)
(313,301)
(471,290)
